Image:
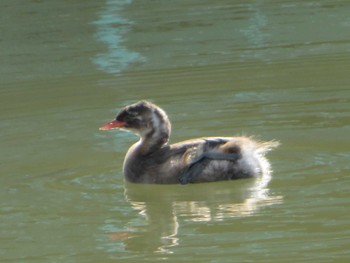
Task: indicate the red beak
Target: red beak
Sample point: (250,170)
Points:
(112,125)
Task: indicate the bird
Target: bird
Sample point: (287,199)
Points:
(151,160)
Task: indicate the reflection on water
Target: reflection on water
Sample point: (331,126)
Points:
(294,29)
(111,28)
(162,210)
(255,33)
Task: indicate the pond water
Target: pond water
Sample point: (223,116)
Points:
(270,69)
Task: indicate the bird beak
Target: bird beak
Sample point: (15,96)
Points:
(112,125)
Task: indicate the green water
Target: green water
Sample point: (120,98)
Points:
(274,70)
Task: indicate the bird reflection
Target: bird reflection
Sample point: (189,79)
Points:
(165,208)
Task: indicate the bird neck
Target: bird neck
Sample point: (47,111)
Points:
(157,134)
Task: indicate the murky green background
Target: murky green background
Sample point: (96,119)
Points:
(273,69)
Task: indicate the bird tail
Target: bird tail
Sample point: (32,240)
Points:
(265,147)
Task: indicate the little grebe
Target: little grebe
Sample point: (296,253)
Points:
(152,160)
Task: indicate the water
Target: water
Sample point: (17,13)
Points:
(274,70)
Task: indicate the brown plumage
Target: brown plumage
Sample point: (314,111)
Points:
(152,160)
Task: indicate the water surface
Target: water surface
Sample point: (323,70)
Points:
(272,70)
